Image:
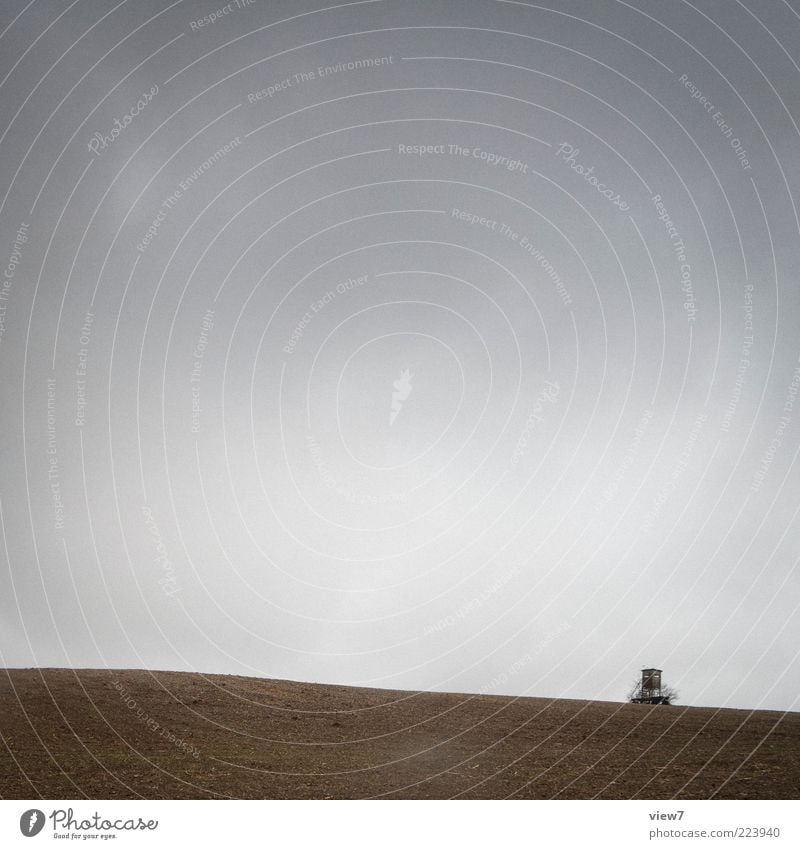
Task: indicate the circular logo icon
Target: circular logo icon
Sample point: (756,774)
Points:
(31,822)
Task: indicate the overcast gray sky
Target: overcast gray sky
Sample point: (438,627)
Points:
(430,345)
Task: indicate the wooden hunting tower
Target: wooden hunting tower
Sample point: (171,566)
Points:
(649,690)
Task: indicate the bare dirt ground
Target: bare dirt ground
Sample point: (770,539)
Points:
(130,733)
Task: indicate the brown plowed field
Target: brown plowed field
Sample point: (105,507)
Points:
(130,733)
